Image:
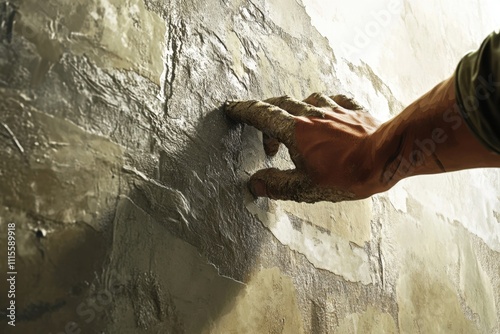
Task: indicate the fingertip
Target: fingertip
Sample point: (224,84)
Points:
(257,188)
(227,104)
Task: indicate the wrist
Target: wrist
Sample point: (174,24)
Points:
(371,157)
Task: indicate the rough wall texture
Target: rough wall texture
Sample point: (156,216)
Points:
(127,183)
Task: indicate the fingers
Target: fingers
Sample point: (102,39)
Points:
(320,100)
(273,121)
(295,107)
(346,102)
(275,116)
(292,185)
(278,184)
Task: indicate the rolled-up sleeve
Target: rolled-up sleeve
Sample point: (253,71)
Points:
(477,86)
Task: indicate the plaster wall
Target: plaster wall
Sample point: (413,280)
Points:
(127,183)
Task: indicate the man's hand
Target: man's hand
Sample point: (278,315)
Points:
(328,141)
(341,153)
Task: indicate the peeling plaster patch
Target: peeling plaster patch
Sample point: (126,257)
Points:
(324,250)
(268,304)
(496,214)
(374,31)
(403,26)
(370,321)
(348,220)
(427,237)
(476,287)
(268,56)
(294,20)
(438,191)
(366,91)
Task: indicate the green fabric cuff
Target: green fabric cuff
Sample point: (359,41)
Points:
(477,86)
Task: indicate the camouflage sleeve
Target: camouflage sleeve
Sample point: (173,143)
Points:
(477,86)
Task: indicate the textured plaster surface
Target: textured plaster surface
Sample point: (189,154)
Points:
(127,182)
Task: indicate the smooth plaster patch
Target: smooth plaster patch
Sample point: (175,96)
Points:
(348,220)
(428,303)
(370,321)
(268,304)
(429,252)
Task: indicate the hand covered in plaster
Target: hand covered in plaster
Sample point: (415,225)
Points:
(342,153)
(328,141)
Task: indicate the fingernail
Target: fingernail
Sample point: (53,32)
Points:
(229,104)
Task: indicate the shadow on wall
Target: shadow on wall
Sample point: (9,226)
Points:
(200,211)
(136,266)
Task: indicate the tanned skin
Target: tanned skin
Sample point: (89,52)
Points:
(342,153)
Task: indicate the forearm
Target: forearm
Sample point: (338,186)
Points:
(428,137)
